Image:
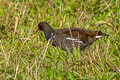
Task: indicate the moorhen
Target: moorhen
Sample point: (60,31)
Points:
(69,38)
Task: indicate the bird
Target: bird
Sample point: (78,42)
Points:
(69,38)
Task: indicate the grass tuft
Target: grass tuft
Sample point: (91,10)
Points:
(26,55)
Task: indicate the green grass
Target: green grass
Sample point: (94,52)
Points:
(25,55)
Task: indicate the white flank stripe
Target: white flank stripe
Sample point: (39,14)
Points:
(98,36)
(73,39)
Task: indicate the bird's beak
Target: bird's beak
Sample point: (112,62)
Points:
(36,29)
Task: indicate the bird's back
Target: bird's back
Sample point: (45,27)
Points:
(69,38)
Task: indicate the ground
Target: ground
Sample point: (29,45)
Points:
(26,55)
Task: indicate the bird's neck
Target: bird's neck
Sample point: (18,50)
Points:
(48,34)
